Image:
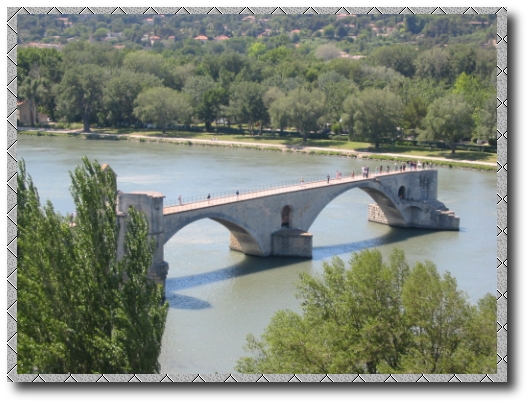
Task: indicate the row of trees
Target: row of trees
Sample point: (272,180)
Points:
(377,317)
(79,309)
(278,87)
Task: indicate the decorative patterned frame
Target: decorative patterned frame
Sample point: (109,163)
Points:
(502,200)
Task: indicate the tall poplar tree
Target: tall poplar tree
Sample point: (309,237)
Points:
(79,309)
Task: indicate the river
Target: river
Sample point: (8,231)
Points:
(218,296)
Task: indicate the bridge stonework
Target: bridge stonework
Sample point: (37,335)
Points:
(277,222)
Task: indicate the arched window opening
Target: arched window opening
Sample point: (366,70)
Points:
(286,216)
(401,192)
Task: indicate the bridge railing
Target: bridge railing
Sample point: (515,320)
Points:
(264,190)
(243,192)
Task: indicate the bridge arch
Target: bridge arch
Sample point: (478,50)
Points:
(242,236)
(386,198)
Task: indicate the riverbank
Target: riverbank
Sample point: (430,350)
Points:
(311,150)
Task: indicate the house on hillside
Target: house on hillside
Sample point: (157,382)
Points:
(201,38)
(154,39)
(24,114)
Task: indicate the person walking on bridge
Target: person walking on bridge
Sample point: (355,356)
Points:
(237,194)
(328,178)
(301,182)
(180,199)
(208,198)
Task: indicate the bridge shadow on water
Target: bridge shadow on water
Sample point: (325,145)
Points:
(251,265)
(394,235)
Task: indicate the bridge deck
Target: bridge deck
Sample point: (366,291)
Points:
(228,199)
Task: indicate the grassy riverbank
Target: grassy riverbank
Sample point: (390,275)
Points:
(462,159)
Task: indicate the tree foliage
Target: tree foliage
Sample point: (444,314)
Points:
(304,109)
(377,317)
(411,56)
(448,119)
(373,113)
(79,309)
(162,106)
(434,63)
(246,103)
(398,57)
(121,91)
(81,92)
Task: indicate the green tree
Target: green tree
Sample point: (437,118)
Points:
(473,92)
(162,106)
(100,33)
(377,317)
(79,53)
(81,92)
(373,113)
(305,110)
(336,88)
(487,120)
(341,31)
(279,113)
(413,114)
(414,24)
(257,49)
(398,57)
(94,314)
(434,63)
(121,91)
(448,119)
(269,97)
(439,313)
(146,62)
(210,105)
(48,64)
(246,103)
(329,31)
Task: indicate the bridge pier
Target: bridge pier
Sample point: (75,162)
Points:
(292,242)
(420,214)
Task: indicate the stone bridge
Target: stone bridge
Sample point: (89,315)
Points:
(276,221)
